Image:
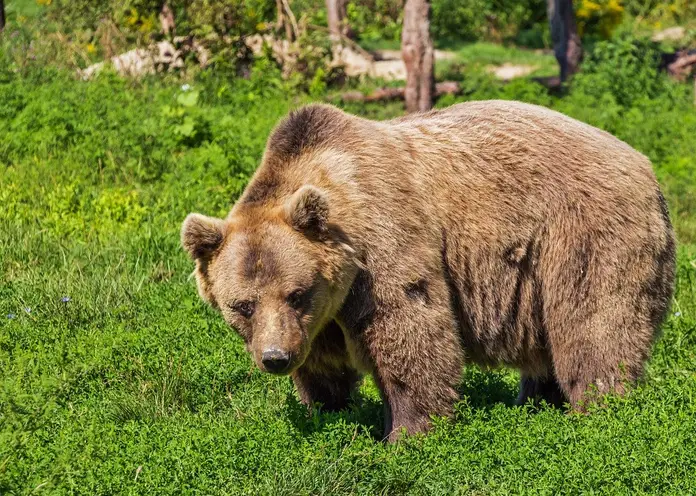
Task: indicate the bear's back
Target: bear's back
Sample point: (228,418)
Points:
(509,159)
(530,132)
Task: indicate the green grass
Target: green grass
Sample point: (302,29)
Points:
(480,55)
(134,386)
(483,54)
(22,8)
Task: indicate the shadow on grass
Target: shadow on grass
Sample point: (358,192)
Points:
(363,411)
(483,389)
(487,388)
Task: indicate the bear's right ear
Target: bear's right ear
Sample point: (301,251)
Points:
(307,210)
(201,235)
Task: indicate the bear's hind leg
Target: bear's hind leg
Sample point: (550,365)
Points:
(604,292)
(602,354)
(326,376)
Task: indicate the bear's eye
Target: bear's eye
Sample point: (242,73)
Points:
(244,308)
(297,298)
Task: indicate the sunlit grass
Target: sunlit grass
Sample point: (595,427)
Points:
(115,378)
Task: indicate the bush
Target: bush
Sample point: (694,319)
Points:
(452,20)
(108,27)
(623,70)
(598,17)
(491,20)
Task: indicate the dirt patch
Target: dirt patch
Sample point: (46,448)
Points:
(507,71)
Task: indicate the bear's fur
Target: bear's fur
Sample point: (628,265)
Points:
(491,232)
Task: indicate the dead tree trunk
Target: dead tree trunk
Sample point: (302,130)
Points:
(286,19)
(166,17)
(564,34)
(336,16)
(2,15)
(334,19)
(418,54)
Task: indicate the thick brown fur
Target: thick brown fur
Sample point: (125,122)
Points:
(497,233)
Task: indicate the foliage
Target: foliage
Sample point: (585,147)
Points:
(98,30)
(496,20)
(625,70)
(224,25)
(376,20)
(598,16)
(661,13)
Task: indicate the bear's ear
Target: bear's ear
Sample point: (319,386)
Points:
(201,235)
(307,210)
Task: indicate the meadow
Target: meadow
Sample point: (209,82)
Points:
(116,379)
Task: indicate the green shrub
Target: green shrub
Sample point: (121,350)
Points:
(376,20)
(110,27)
(492,20)
(624,70)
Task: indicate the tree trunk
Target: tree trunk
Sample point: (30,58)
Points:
(282,22)
(564,34)
(166,17)
(333,14)
(336,15)
(286,19)
(418,54)
(2,14)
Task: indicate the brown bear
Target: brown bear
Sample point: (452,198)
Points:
(490,232)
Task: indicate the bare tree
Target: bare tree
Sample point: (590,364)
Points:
(166,17)
(418,54)
(286,19)
(336,12)
(564,34)
(2,14)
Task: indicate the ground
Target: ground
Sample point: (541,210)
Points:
(115,378)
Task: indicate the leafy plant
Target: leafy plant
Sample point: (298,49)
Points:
(598,17)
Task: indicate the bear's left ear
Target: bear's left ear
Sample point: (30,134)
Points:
(307,210)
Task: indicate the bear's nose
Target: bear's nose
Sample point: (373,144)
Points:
(275,361)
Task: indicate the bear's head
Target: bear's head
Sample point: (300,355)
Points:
(278,274)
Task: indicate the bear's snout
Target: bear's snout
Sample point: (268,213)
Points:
(275,361)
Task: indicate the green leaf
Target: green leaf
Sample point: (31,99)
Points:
(188,99)
(186,128)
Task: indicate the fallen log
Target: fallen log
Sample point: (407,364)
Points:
(386,94)
(683,65)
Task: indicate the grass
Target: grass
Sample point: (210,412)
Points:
(25,8)
(483,54)
(115,378)
(480,55)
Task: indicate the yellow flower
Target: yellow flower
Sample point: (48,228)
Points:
(91,48)
(147,26)
(615,7)
(133,17)
(600,15)
(587,8)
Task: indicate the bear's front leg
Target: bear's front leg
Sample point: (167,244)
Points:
(326,376)
(416,357)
